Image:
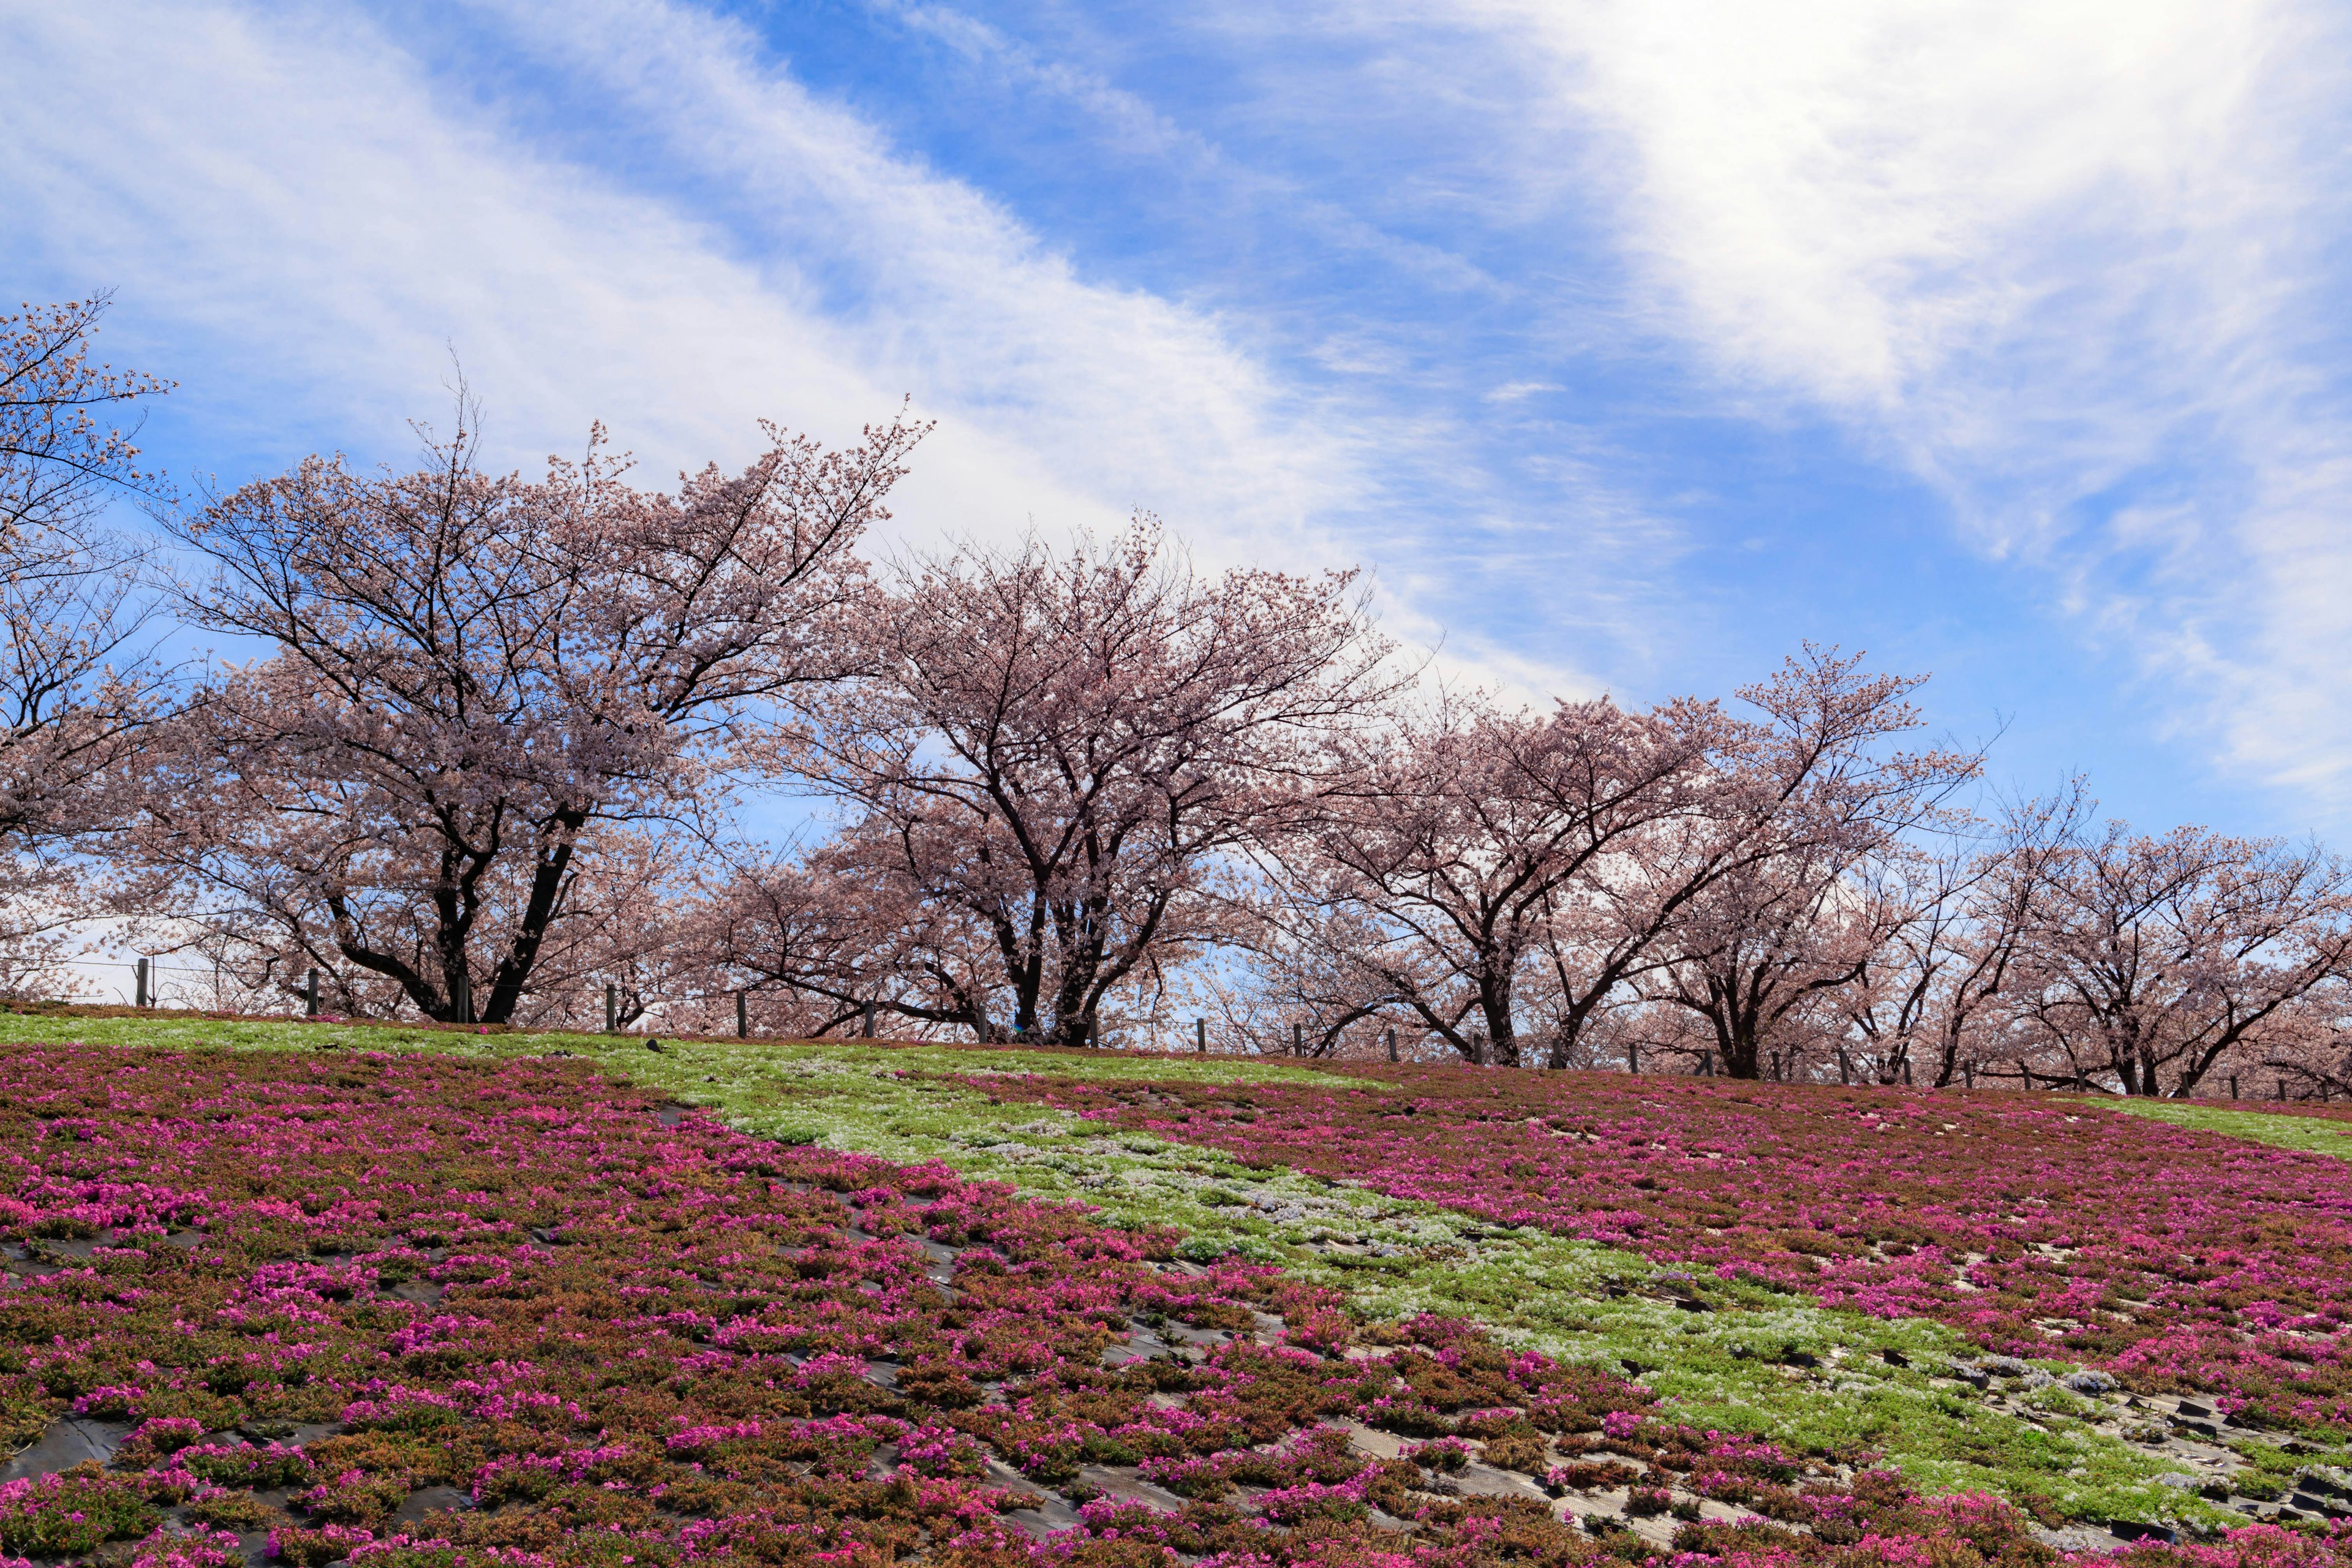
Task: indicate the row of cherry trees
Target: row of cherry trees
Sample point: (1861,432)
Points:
(486,749)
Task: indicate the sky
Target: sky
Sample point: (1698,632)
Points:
(1625,347)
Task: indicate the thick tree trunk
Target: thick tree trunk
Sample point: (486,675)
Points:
(539,912)
(1736,1043)
(1494,1002)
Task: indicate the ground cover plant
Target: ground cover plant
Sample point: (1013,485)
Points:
(422,1312)
(1727,1353)
(2312,1129)
(1757,1359)
(2177,1261)
(403,1311)
(411,1312)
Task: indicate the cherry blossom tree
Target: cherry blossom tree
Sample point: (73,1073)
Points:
(1300,988)
(77,687)
(831,931)
(80,688)
(1441,853)
(1516,873)
(1933,995)
(2306,1052)
(1052,762)
(478,681)
(249,948)
(1758,955)
(59,458)
(1739,910)
(2155,960)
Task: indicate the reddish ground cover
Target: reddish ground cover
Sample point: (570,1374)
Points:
(418,1313)
(2179,1260)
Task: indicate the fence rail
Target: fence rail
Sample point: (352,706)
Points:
(145,978)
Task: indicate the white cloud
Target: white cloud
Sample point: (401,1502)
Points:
(1862,194)
(305,200)
(313,210)
(2064,258)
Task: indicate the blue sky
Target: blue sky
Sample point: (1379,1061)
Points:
(1627,344)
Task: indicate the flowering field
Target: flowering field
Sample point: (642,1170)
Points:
(2174,1259)
(411,1312)
(529,1322)
(1391,1258)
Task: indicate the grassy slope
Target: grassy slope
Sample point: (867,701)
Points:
(2309,1134)
(1722,1367)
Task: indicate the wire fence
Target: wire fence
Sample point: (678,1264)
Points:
(147,981)
(142,979)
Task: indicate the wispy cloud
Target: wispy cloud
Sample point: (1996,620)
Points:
(1131,398)
(631,209)
(300,189)
(1500,296)
(2072,262)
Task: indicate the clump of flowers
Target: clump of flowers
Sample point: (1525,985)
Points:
(1647,1502)
(1447,1454)
(71,1514)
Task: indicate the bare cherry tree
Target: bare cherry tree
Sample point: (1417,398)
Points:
(477,679)
(1053,756)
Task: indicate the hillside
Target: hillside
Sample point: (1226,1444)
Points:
(1310,1312)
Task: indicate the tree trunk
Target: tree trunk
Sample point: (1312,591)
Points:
(1737,1044)
(1504,1050)
(546,897)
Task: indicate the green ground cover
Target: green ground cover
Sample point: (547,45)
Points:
(1736,1355)
(2309,1134)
